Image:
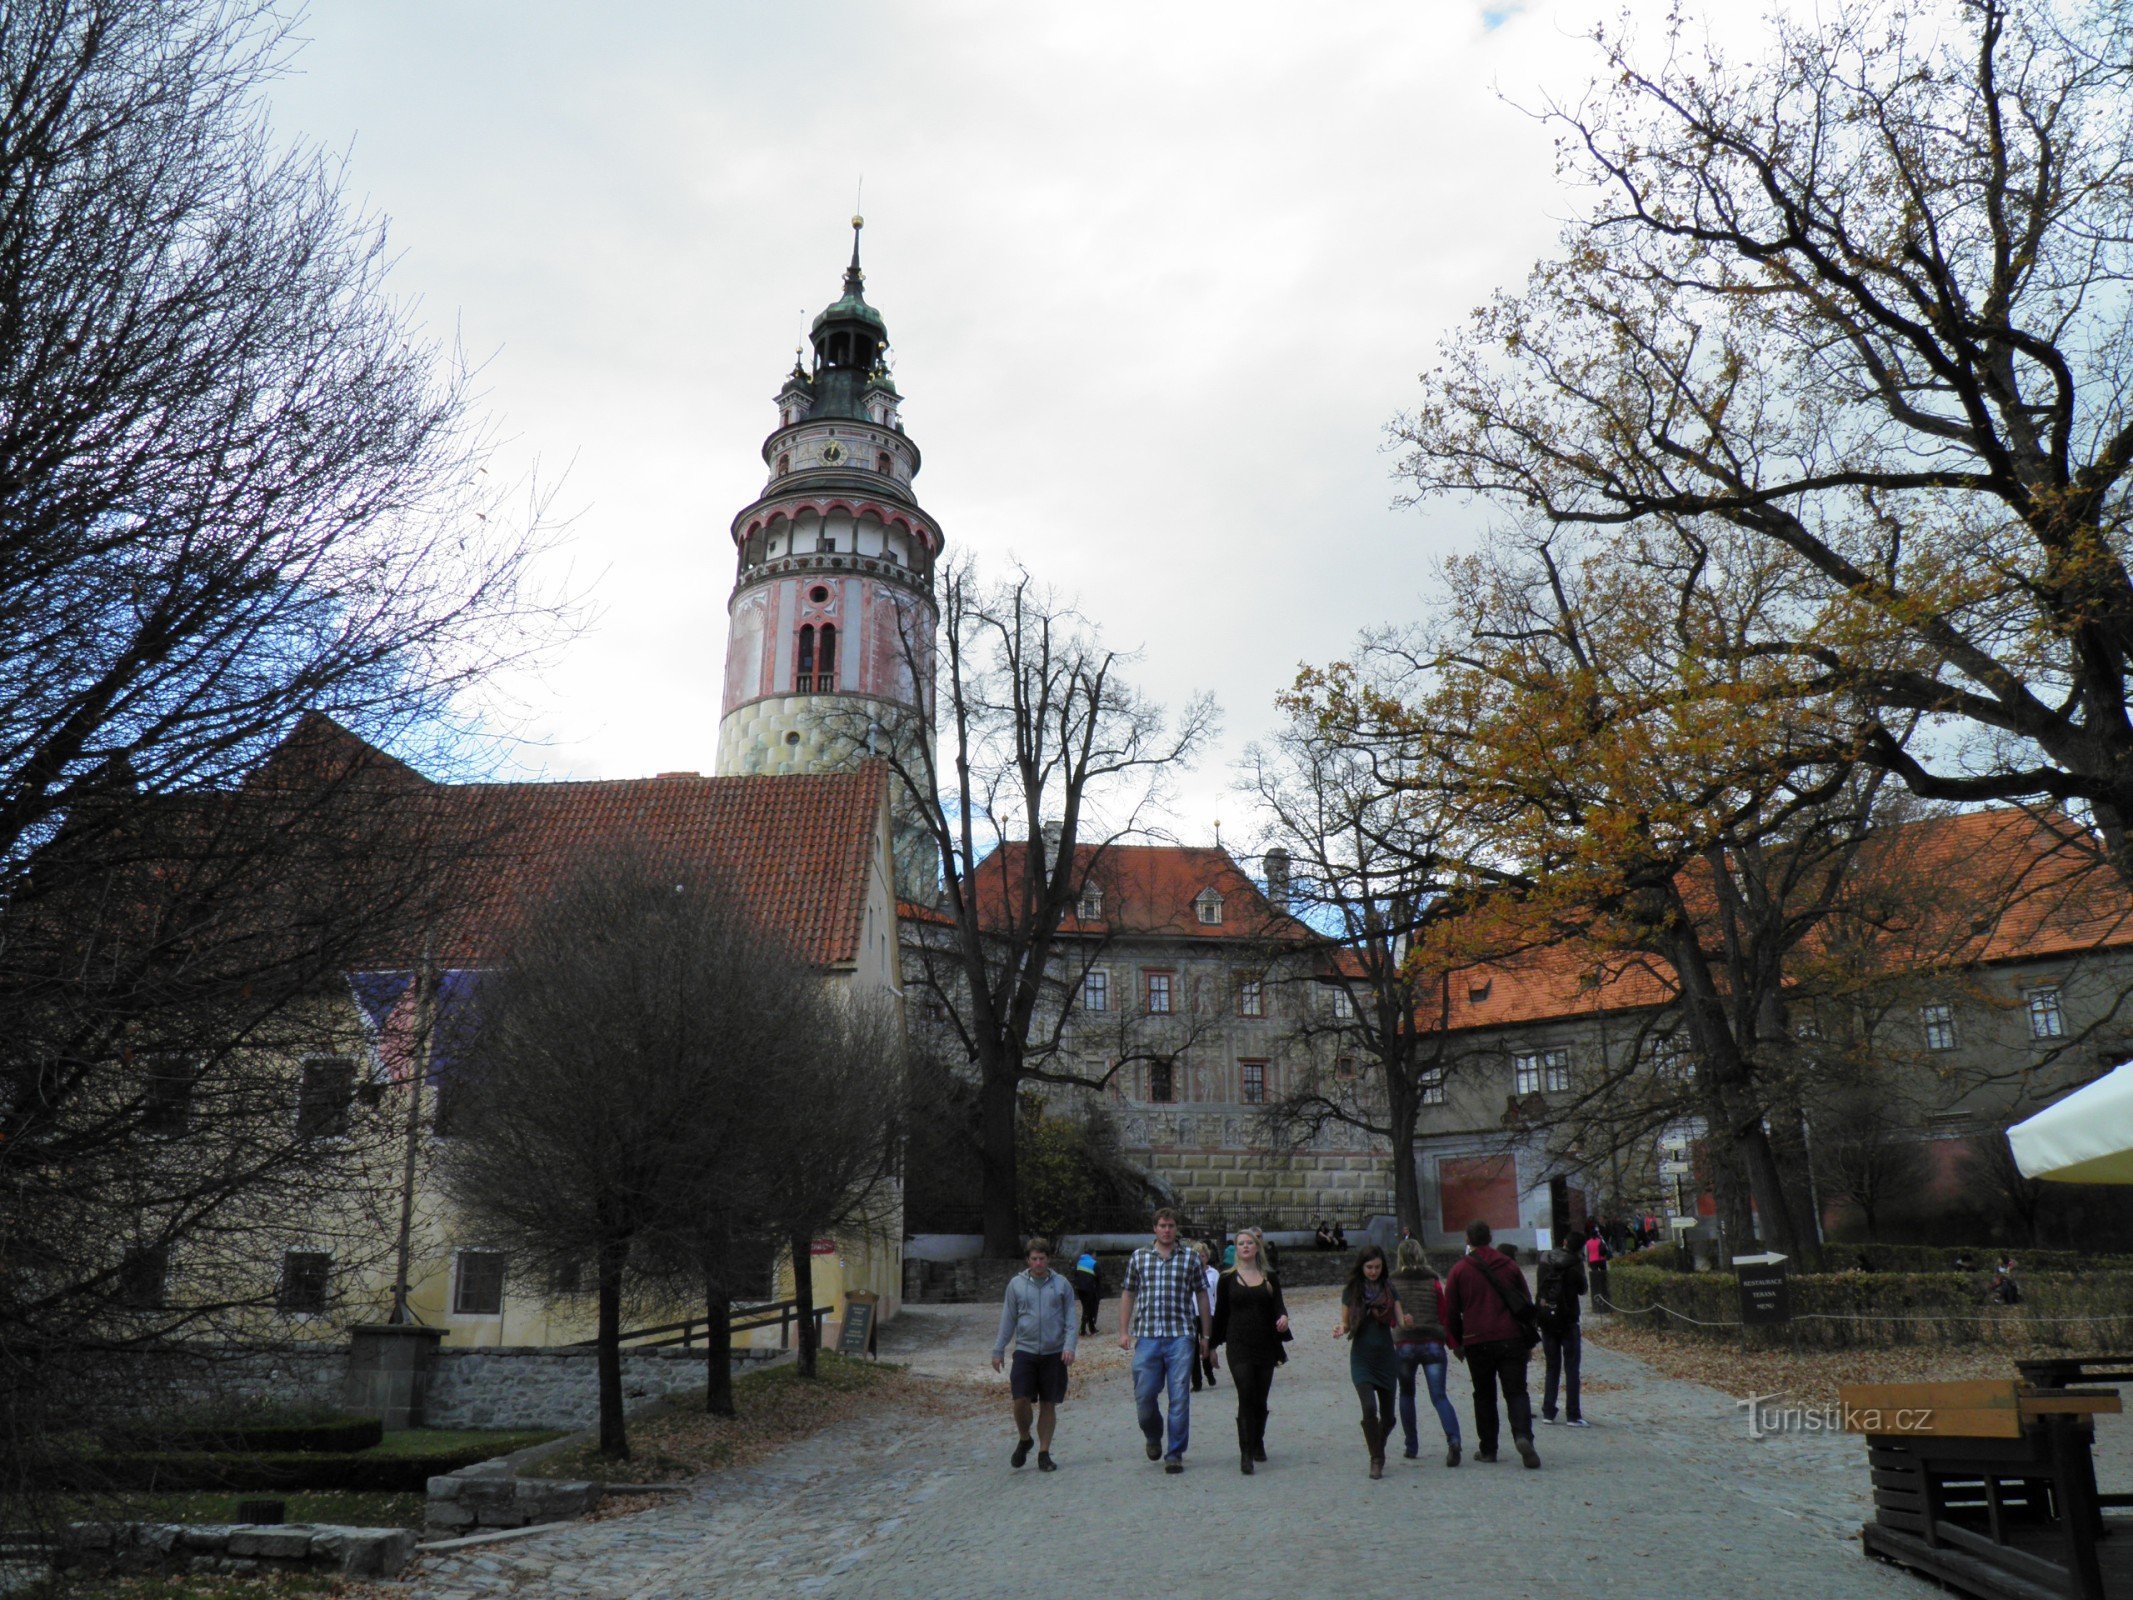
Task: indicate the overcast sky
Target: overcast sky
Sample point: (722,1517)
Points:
(1156,276)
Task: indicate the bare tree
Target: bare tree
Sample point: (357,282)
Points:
(1041,740)
(623,1084)
(1863,297)
(236,488)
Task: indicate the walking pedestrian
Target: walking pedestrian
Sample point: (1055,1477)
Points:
(1557,1285)
(1205,1366)
(1420,1343)
(1596,1257)
(1088,1288)
(1163,1318)
(1488,1314)
(1040,1317)
(1370,1310)
(1251,1323)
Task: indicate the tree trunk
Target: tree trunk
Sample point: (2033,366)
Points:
(718,1348)
(996,1162)
(1406,1183)
(614,1438)
(803,1294)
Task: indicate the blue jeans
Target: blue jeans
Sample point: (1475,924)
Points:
(1159,1364)
(1564,1356)
(1433,1361)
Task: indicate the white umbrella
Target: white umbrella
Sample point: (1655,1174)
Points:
(2085,1138)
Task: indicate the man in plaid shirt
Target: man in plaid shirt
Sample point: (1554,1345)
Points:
(1163,1319)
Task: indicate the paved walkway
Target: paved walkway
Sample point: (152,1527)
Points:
(1665,1494)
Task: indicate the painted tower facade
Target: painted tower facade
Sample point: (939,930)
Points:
(831,622)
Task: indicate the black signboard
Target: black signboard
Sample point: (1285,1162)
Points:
(858,1328)
(1765,1297)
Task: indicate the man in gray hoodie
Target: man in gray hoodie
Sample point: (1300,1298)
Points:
(1043,1319)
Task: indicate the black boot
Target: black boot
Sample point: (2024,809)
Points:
(1244,1445)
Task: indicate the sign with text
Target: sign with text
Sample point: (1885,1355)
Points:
(858,1329)
(1765,1296)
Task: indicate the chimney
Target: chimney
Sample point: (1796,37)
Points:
(1054,833)
(1277,877)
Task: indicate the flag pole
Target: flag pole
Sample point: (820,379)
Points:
(425,1018)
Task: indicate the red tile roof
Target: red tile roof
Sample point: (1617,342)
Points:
(1148,889)
(797,849)
(1973,888)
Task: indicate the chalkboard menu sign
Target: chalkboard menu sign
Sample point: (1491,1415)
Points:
(1765,1297)
(858,1331)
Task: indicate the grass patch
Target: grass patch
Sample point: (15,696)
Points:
(776,1407)
(1810,1375)
(411,1444)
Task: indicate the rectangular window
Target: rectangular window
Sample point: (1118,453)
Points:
(1433,1088)
(1344,1069)
(1541,1072)
(1091,908)
(1096,990)
(1159,993)
(305,1275)
(1343,1006)
(322,1100)
(2047,1018)
(143,1279)
(167,1098)
(1252,1081)
(479,1291)
(1938,1024)
(1251,998)
(1162,1083)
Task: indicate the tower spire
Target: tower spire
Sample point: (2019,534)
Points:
(854,279)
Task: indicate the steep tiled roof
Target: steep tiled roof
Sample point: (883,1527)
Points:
(796,849)
(1968,889)
(1148,889)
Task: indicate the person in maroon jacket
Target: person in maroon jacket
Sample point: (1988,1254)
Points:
(1480,1294)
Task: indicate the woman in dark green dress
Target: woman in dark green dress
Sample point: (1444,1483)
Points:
(1370,1310)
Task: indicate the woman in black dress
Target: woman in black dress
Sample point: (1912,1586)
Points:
(1250,1322)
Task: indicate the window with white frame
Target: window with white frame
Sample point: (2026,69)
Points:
(1091,905)
(1343,1005)
(478,1287)
(305,1278)
(1671,1062)
(2047,1018)
(1433,1087)
(1251,1082)
(1541,1071)
(322,1098)
(1208,908)
(1937,1023)
(1096,990)
(1251,997)
(1160,985)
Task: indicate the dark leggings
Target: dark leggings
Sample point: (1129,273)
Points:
(1253,1380)
(1378,1405)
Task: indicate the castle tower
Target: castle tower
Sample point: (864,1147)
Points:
(832,617)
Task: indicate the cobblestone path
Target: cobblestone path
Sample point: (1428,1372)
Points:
(1666,1495)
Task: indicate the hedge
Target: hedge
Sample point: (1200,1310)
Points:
(158,1470)
(334,1434)
(2091,1311)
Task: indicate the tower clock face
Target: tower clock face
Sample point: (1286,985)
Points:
(832,453)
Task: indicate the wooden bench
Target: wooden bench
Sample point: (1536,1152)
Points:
(1990,1487)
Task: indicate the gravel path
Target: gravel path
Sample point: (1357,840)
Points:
(1665,1494)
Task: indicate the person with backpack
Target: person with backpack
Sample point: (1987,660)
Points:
(1489,1317)
(1419,1342)
(1556,1286)
(1596,1257)
(1088,1288)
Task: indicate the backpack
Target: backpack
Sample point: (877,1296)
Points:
(1551,1292)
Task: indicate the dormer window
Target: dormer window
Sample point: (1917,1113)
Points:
(1091,906)
(1208,909)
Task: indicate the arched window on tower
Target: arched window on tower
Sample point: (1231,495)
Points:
(882,463)
(826,659)
(784,465)
(804,673)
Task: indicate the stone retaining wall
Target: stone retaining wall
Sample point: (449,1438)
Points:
(535,1387)
(235,1547)
(477,1499)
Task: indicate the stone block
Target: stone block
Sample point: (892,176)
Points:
(365,1552)
(447,1517)
(444,1487)
(206,1536)
(274,1544)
